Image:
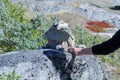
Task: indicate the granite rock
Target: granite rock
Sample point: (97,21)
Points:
(50,64)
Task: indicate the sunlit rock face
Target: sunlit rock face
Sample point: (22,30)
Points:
(116,2)
(49,64)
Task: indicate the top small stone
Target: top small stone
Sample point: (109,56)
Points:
(59,31)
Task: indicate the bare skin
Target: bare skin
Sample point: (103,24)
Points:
(80,51)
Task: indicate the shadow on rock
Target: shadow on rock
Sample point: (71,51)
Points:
(62,65)
(115,8)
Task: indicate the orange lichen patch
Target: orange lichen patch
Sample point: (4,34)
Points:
(95,28)
(98,26)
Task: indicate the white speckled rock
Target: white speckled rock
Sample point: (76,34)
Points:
(49,64)
(31,65)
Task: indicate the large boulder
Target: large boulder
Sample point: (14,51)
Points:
(50,64)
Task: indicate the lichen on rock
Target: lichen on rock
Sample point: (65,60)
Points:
(49,64)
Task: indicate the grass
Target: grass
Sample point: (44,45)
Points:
(83,36)
(73,18)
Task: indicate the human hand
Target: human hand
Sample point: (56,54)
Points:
(75,51)
(80,51)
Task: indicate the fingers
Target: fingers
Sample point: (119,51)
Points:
(75,51)
(71,50)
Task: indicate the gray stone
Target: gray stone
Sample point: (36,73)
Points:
(60,34)
(58,31)
(49,64)
(116,2)
(46,6)
(31,65)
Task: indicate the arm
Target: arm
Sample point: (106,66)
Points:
(100,49)
(108,46)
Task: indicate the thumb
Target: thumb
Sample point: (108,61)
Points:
(71,50)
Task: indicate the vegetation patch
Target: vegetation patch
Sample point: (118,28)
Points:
(16,12)
(84,36)
(18,33)
(10,76)
(73,18)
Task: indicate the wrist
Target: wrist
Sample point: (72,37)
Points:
(86,51)
(90,51)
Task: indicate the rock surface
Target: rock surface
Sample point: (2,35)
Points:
(97,11)
(49,64)
(116,2)
(69,6)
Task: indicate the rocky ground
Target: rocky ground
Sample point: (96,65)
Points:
(49,64)
(75,12)
(71,12)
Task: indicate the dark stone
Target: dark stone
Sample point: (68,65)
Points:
(115,8)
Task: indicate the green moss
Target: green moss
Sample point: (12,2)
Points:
(10,76)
